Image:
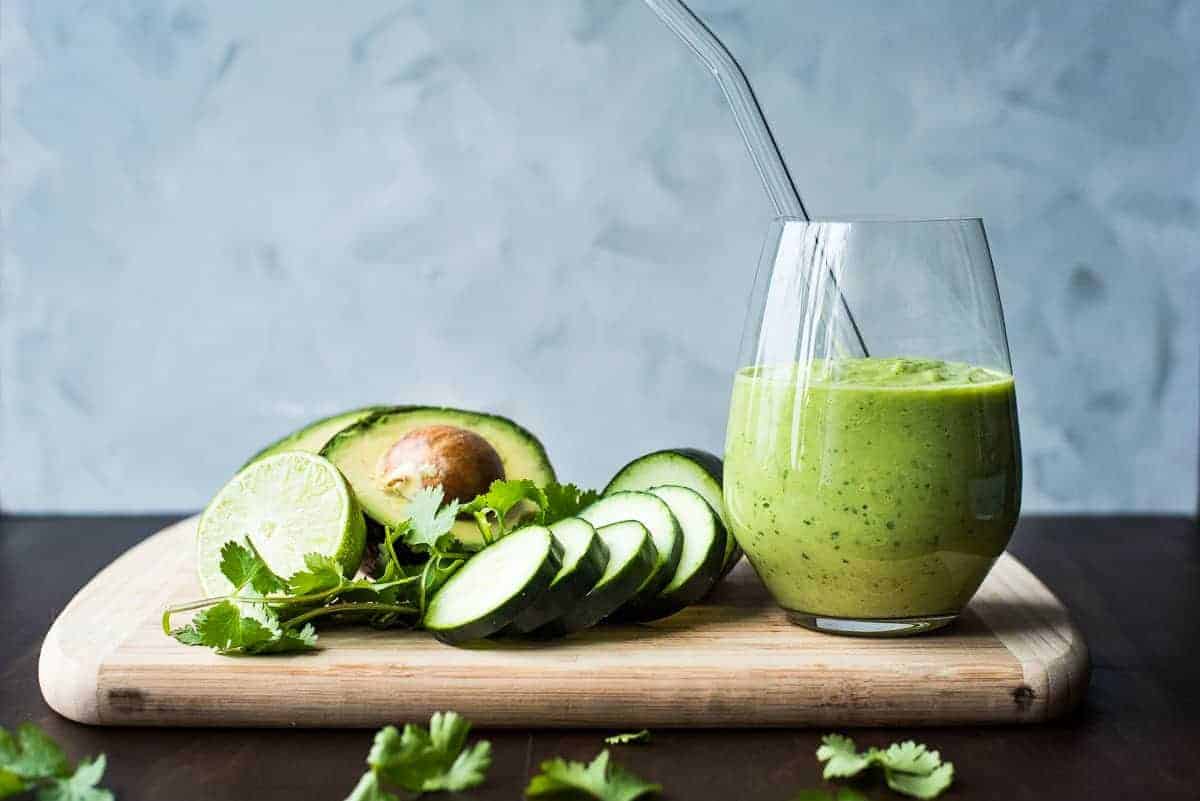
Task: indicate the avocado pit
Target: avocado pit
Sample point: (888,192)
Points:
(462,462)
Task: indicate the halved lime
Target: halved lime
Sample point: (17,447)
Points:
(287,505)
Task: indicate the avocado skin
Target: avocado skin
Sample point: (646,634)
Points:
(286,442)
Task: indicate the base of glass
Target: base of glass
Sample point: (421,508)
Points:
(870,627)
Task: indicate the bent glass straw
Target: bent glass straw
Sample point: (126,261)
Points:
(749,117)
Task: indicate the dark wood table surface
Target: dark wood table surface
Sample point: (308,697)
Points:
(1133,584)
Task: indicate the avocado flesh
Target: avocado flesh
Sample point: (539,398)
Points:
(356,452)
(312,437)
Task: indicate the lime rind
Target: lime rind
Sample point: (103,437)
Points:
(287,505)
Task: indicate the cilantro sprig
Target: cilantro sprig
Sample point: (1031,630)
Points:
(276,617)
(908,767)
(417,760)
(30,760)
(599,780)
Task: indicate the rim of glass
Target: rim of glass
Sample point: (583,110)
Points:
(875,219)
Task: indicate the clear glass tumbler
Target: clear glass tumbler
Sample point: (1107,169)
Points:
(872,458)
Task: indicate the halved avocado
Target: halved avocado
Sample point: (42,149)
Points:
(312,438)
(388,454)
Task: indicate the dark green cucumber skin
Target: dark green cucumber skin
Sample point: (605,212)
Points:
(564,595)
(595,607)
(707,576)
(662,576)
(502,616)
(709,463)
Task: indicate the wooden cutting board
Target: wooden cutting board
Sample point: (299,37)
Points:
(1014,657)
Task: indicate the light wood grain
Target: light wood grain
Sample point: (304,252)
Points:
(1014,656)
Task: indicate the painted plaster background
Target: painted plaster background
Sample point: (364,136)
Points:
(223,219)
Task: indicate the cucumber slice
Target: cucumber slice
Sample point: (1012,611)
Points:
(681,467)
(583,562)
(700,563)
(313,436)
(288,505)
(632,558)
(656,516)
(494,586)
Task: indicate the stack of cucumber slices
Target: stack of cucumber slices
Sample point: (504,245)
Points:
(654,542)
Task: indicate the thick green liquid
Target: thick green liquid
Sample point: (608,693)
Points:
(873,488)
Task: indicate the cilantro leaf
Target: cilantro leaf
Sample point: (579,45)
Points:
(642,736)
(80,785)
(368,789)
(448,736)
(923,786)
(32,754)
(502,498)
(323,574)
(33,761)
(244,567)
(841,758)
(565,500)
(11,784)
(908,767)
(429,522)
(420,760)
(908,757)
(561,779)
(249,629)
(468,770)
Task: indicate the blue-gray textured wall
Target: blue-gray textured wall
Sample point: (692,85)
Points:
(222,219)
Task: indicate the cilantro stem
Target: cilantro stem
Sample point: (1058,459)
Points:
(363,606)
(485,528)
(268,600)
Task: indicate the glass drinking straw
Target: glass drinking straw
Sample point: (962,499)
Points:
(749,117)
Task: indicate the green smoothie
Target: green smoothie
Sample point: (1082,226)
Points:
(873,488)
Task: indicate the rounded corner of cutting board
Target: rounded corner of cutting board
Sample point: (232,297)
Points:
(1053,653)
(68,685)
(97,621)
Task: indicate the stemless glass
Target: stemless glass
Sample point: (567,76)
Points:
(872,460)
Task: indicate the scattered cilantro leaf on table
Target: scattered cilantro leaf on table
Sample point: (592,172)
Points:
(929,785)
(627,738)
(562,780)
(417,760)
(80,785)
(909,757)
(31,754)
(32,761)
(908,767)
(841,757)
